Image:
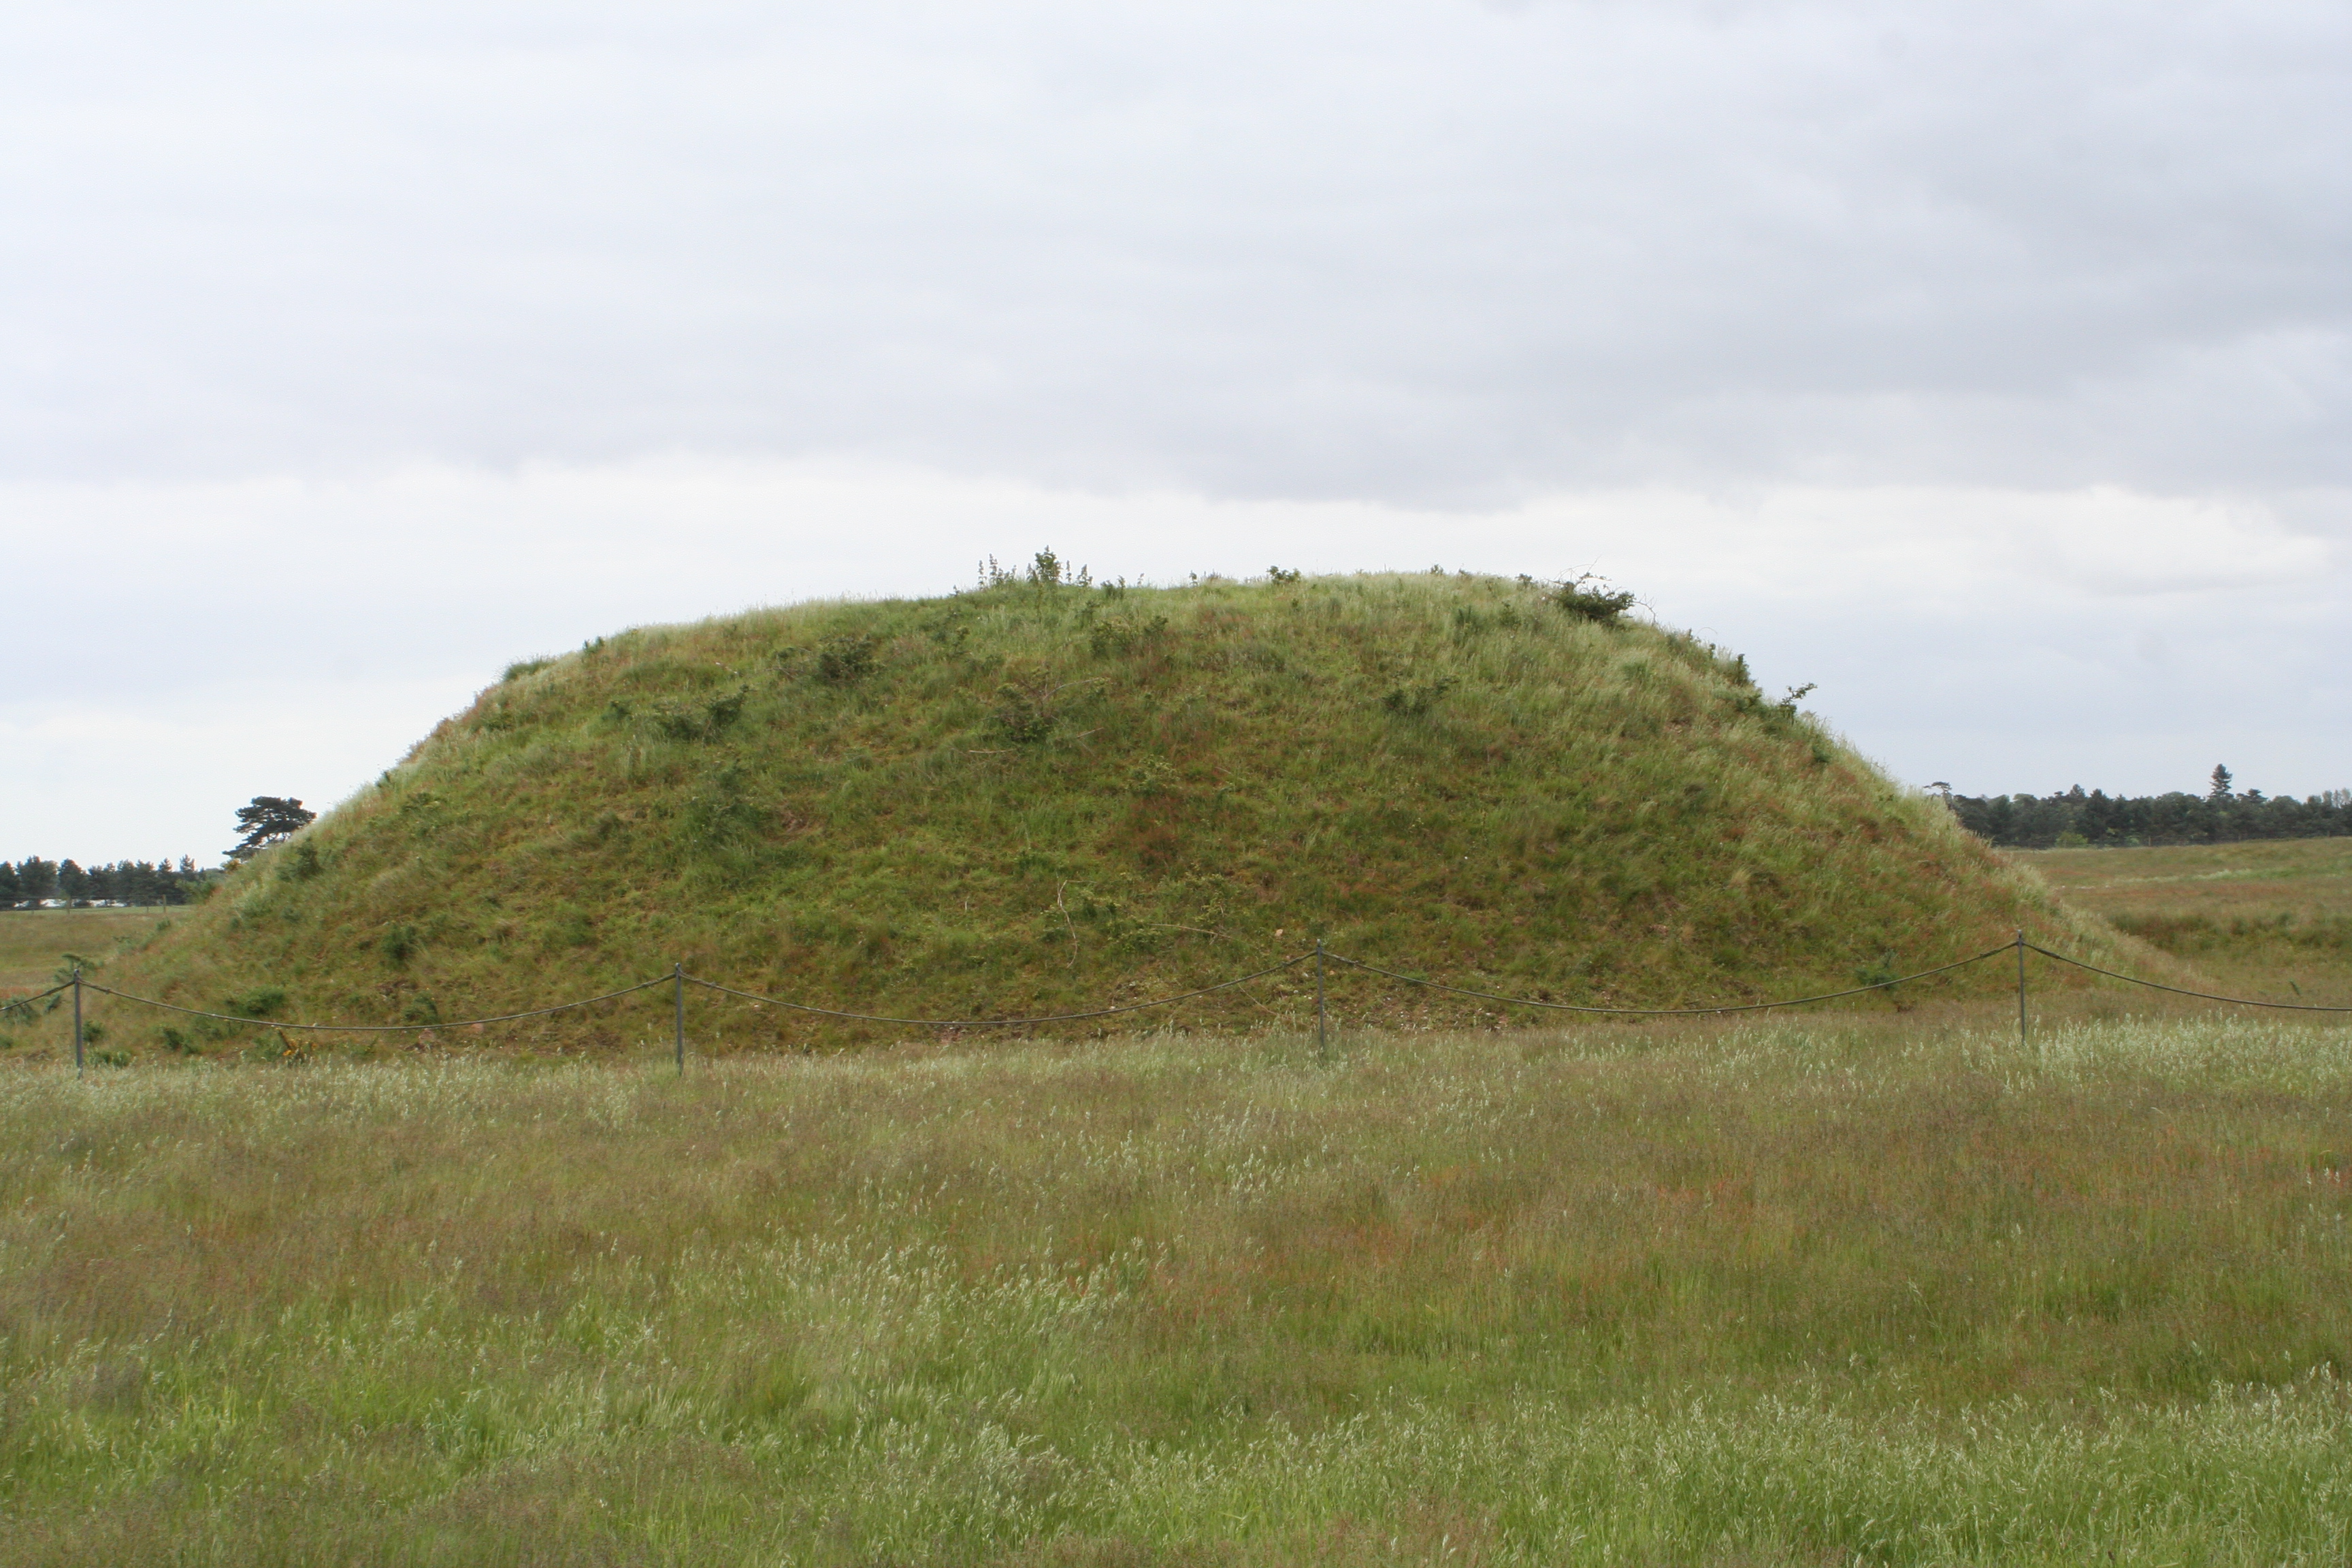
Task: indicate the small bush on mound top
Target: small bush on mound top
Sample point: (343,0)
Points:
(1589,599)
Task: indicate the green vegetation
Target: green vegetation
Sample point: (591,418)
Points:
(30,881)
(1879,1284)
(1043,793)
(33,942)
(1820,1291)
(2270,920)
(2071,819)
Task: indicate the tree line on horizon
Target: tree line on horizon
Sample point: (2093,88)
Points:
(2073,819)
(34,881)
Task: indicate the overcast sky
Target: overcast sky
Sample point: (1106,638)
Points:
(1989,365)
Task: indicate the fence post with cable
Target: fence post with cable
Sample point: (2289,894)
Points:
(677,980)
(1322,1048)
(2021,987)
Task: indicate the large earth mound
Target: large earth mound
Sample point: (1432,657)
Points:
(1044,794)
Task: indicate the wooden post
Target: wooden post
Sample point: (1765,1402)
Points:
(1322,1044)
(678,973)
(2021,989)
(76,982)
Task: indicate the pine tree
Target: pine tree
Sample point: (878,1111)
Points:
(269,820)
(2221,790)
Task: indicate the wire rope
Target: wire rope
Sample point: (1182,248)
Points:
(12,1003)
(7,1003)
(2181,991)
(378,1028)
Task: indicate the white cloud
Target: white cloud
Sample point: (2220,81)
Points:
(124,776)
(1404,249)
(1948,354)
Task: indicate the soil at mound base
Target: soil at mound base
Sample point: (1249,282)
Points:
(1035,797)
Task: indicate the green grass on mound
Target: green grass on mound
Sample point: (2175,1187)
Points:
(1041,795)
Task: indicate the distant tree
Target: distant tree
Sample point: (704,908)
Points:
(10,890)
(2029,822)
(73,883)
(36,878)
(269,820)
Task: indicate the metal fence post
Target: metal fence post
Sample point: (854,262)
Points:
(76,1020)
(678,973)
(1322,1049)
(2021,989)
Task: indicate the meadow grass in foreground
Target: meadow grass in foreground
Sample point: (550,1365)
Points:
(1862,1289)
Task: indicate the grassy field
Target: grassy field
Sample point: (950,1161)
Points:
(1885,1288)
(33,942)
(1886,1284)
(2271,920)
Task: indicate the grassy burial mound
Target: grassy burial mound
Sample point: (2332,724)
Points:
(1043,795)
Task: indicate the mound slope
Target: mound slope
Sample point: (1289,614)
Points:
(1040,795)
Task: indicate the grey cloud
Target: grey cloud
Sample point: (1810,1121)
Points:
(1415,251)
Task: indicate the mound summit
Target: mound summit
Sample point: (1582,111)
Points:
(1042,795)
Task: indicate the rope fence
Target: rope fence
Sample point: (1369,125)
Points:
(678,979)
(370,1029)
(2179,991)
